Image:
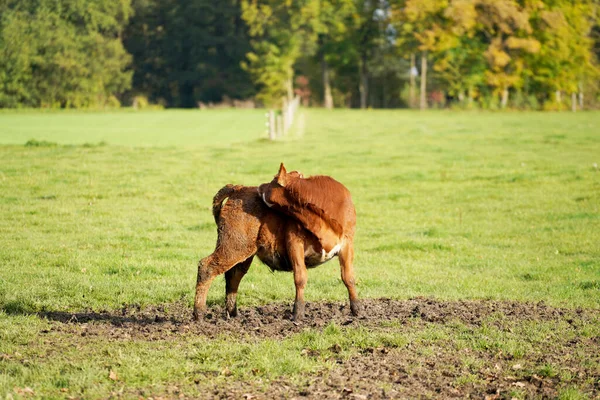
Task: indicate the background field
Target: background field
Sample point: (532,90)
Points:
(102,210)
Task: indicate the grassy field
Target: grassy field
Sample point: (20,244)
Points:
(176,128)
(105,210)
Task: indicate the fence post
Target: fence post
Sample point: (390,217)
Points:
(296,105)
(271,124)
(279,126)
(285,116)
(291,109)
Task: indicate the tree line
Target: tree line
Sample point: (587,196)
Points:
(536,54)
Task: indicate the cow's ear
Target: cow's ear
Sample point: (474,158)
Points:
(282,175)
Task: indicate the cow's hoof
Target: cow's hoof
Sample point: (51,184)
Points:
(355,308)
(298,313)
(196,315)
(233,313)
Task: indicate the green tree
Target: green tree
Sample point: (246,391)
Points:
(17,49)
(565,59)
(507,33)
(365,39)
(331,26)
(189,51)
(281,31)
(461,65)
(71,56)
(348,39)
(423,27)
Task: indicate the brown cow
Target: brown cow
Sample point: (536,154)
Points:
(247,227)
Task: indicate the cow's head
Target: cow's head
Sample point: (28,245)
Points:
(274,192)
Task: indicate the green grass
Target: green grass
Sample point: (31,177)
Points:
(98,210)
(466,205)
(182,128)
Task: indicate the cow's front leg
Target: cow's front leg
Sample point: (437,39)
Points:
(295,247)
(346,257)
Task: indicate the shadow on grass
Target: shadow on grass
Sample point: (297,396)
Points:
(273,320)
(105,317)
(175,313)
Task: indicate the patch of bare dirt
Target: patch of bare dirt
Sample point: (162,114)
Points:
(438,369)
(274,320)
(407,373)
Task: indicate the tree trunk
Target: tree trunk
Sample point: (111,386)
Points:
(573,102)
(327,98)
(423,102)
(504,100)
(470,96)
(384,95)
(363,85)
(558,97)
(580,96)
(412,88)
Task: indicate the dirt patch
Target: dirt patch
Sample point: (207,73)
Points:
(408,373)
(454,365)
(274,320)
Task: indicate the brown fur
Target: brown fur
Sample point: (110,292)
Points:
(247,227)
(320,203)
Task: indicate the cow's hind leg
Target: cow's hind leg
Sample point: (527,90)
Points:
(210,267)
(346,257)
(232,282)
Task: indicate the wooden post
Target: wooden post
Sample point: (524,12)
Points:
(284,116)
(279,126)
(293,108)
(573,102)
(271,124)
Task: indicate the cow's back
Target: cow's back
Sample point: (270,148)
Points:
(328,199)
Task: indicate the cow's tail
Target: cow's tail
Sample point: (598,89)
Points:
(221,195)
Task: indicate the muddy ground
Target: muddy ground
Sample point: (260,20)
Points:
(412,371)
